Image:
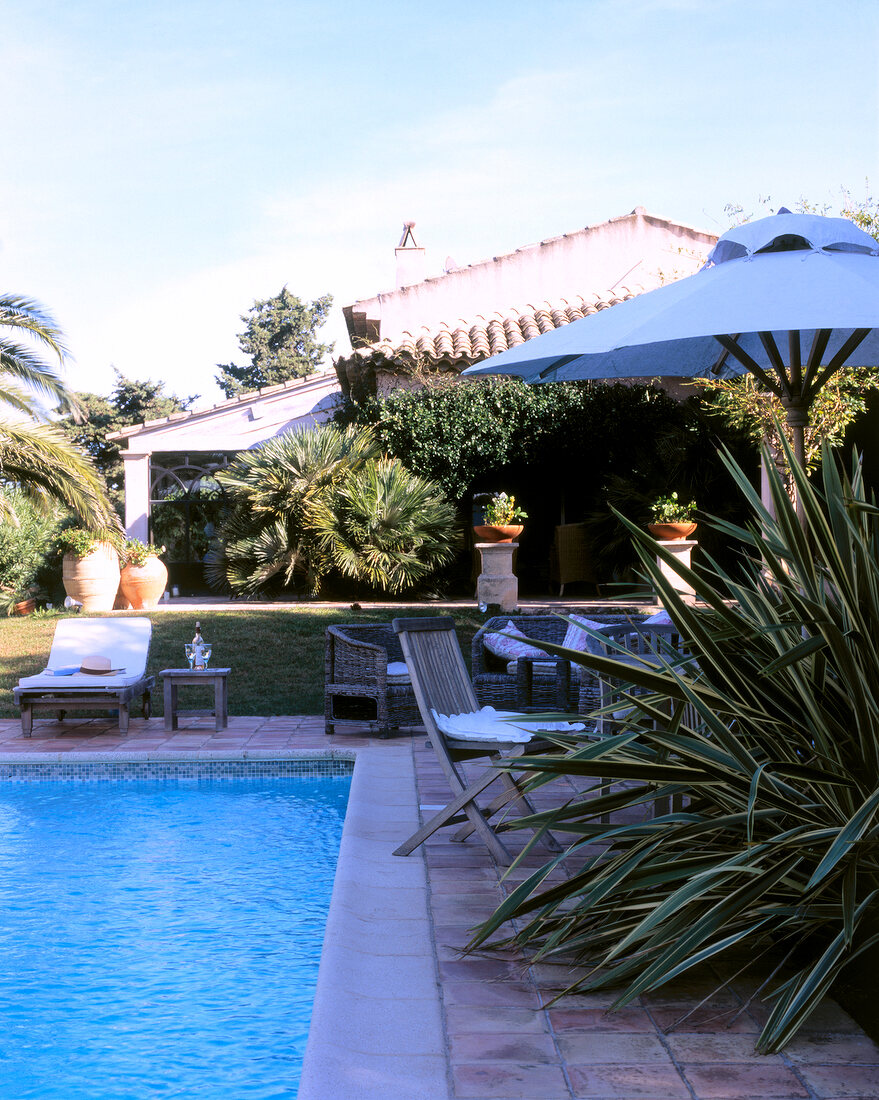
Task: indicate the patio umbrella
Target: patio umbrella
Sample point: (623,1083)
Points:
(791,297)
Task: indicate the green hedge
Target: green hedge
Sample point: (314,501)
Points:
(577,448)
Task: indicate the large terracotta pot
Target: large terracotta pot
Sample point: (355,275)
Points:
(668,532)
(489,533)
(25,607)
(94,579)
(143,585)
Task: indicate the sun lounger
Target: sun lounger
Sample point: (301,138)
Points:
(61,686)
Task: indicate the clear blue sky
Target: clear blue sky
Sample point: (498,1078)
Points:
(165,163)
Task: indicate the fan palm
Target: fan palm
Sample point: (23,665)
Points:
(769,734)
(34,455)
(387,527)
(275,489)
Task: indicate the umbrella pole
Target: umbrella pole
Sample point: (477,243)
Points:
(797,419)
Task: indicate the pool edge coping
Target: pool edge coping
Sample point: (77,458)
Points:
(377,1029)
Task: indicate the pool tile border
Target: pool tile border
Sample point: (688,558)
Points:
(106,771)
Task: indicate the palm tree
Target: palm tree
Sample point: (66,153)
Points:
(35,455)
(320,498)
(268,536)
(387,527)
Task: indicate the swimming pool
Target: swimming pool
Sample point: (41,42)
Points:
(161,937)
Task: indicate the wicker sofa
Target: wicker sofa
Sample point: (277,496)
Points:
(527,689)
(356,684)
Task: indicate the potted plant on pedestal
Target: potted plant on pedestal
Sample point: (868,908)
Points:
(499,520)
(671,518)
(144,576)
(90,568)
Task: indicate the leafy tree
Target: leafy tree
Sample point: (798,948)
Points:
(27,548)
(280,340)
(460,431)
(744,403)
(36,456)
(130,402)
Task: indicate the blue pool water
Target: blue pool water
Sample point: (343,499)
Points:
(161,938)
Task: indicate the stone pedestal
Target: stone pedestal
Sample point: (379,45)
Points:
(497,583)
(681,548)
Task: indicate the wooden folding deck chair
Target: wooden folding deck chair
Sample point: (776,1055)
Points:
(442,686)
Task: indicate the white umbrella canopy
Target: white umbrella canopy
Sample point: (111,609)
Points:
(791,297)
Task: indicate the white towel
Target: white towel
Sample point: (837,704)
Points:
(489,724)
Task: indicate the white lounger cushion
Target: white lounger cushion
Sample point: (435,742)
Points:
(398,673)
(489,724)
(125,641)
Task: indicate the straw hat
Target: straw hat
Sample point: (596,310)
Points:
(98,666)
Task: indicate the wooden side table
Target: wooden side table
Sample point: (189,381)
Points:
(173,678)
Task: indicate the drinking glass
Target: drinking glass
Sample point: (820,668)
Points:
(206,653)
(189,649)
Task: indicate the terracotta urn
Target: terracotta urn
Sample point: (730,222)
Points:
(143,585)
(668,532)
(490,533)
(92,580)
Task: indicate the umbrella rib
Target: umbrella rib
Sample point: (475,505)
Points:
(774,356)
(562,361)
(838,361)
(816,354)
(752,365)
(796,359)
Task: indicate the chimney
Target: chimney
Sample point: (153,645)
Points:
(410,258)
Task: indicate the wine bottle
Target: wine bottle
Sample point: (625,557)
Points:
(198,648)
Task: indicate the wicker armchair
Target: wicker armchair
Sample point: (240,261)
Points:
(571,558)
(527,689)
(356,687)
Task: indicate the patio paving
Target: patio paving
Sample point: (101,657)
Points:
(503,1039)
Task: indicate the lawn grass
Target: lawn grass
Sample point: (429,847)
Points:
(276,655)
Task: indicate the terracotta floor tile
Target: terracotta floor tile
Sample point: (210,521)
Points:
(728,1021)
(504,994)
(689,1049)
(525,1047)
(611,1047)
(636,1082)
(596,1019)
(745,1082)
(478,1020)
(833,1082)
(522,1082)
(471,969)
(833,1047)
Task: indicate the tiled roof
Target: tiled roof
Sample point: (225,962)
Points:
(450,348)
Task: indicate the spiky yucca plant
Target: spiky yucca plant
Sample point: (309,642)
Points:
(772,740)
